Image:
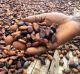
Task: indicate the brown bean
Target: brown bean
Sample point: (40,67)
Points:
(34,44)
(33,50)
(28,36)
(13,27)
(2,72)
(50,57)
(19,64)
(10,61)
(13,57)
(33,36)
(20,54)
(61,56)
(12,52)
(37,36)
(42,33)
(0,26)
(18,45)
(9,39)
(28,44)
(36,27)
(21,40)
(3,59)
(1,33)
(2,42)
(30,29)
(23,27)
(16,33)
(5,51)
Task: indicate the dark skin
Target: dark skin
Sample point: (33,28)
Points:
(66,30)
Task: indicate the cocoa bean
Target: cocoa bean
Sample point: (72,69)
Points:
(23,27)
(36,27)
(26,64)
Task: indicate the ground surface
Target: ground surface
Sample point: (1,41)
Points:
(30,7)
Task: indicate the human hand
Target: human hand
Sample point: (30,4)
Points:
(66,29)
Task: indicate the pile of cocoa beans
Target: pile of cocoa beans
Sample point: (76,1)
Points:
(69,59)
(19,42)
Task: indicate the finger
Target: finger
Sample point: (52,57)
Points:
(49,17)
(56,17)
(35,18)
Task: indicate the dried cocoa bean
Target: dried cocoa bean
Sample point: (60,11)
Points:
(18,45)
(26,64)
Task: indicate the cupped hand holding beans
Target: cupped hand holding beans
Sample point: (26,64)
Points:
(66,28)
